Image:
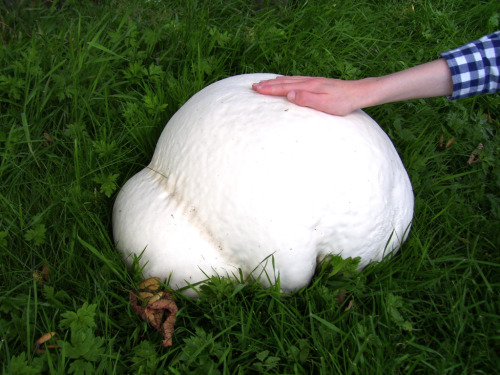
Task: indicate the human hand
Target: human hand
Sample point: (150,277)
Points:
(339,97)
(333,96)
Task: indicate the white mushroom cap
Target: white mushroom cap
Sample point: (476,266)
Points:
(238,177)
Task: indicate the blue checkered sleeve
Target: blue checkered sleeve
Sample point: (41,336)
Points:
(475,67)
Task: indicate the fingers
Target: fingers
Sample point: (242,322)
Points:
(323,94)
(284,79)
(281,80)
(270,88)
(282,85)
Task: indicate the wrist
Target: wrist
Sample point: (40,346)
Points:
(369,92)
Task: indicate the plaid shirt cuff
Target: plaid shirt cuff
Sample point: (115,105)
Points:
(475,67)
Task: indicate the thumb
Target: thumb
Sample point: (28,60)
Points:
(319,102)
(305,98)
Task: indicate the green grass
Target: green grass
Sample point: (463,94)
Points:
(85,90)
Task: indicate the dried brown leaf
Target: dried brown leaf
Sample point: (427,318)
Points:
(43,339)
(450,142)
(153,283)
(43,275)
(341,296)
(48,138)
(474,156)
(349,305)
(160,311)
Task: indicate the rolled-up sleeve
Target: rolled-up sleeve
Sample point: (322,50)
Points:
(475,67)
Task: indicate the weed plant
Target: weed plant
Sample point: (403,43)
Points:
(86,87)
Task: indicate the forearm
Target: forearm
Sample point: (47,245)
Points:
(422,81)
(340,97)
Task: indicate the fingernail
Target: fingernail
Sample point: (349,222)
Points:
(291,96)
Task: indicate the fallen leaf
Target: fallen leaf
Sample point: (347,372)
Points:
(450,142)
(153,283)
(444,146)
(474,156)
(157,308)
(349,305)
(341,296)
(43,340)
(48,138)
(43,275)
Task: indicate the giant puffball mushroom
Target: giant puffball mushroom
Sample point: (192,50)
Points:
(241,180)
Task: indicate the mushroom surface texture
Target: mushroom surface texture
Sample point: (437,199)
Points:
(246,181)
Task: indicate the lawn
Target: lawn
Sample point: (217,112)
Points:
(86,88)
